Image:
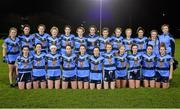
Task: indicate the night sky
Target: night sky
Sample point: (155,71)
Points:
(150,14)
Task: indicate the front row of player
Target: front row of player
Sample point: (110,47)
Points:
(84,71)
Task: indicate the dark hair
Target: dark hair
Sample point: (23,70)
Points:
(105,29)
(26,25)
(108,44)
(41,25)
(162,44)
(149,45)
(67,26)
(80,27)
(133,46)
(93,26)
(164,25)
(26,46)
(140,28)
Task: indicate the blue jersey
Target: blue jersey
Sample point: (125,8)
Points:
(69,65)
(12,49)
(148,65)
(92,41)
(134,61)
(127,44)
(42,39)
(163,65)
(66,40)
(83,65)
(167,40)
(24,64)
(102,43)
(27,40)
(109,61)
(79,41)
(96,67)
(117,42)
(53,64)
(39,64)
(155,44)
(142,43)
(54,41)
(121,65)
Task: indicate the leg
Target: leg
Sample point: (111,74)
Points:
(50,84)
(43,84)
(74,84)
(35,84)
(28,85)
(64,84)
(99,86)
(118,84)
(86,85)
(106,85)
(21,85)
(92,85)
(137,83)
(124,82)
(152,83)
(57,84)
(158,85)
(131,83)
(165,85)
(112,85)
(146,83)
(10,73)
(80,84)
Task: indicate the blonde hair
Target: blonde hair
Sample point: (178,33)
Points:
(54,28)
(82,28)
(12,28)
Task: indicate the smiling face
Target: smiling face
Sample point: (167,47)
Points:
(82,49)
(13,33)
(134,49)
(41,29)
(92,31)
(162,50)
(68,49)
(54,33)
(128,33)
(26,30)
(108,47)
(153,35)
(140,33)
(118,32)
(25,51)
(38,48)
(96,51)
(80,32)
(122,49)
(165,29)
(67,30)
(105,33)
(149,49)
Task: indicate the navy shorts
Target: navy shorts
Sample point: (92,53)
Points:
(69,79)
(109,76)
(11,62)
(84,79)
(95,81)
(39,78)
(134,75)
(162,79)
(121,78)
(24,77)
(53,78)
(148,78)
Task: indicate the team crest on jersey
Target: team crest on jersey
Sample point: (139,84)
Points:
(54,61)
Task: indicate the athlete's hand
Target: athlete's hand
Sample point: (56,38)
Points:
(4,59)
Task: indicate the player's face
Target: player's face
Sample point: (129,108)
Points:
(68,49)
(41,29)
(134,49)
(13,33)
(80,32)
(122,49)
(82,49)
(108,48)
(53,50)
(162,50)
(165,29)
(96,52)
(54,33)
(67,30)
(140,33)
(25,51)
(38,48)
(153,35)
(149,50)
(118,32)
(26,30)
(128,33)
(105,33)
(92,31)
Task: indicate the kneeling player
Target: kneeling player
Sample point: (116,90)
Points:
(134,67)
(39,70)
(148,67)
(109,67)
(69,68)
(164,68)
(24,68)
(121,65)
(96,68)
(83,68)
(53,60)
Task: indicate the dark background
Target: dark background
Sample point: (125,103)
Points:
(150,14)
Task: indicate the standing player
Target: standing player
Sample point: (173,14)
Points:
(41,37)
(69,69)
(67,39)
(148,67)
(109,67)
(11,50)
(121,68)
(141,40)
(39,70)
(24,65)
(117,39)
(134,61)
(53,60)
(154,41)
(27,39)
(164,68)
(80,39)
(92,39)
(128,41)
(96,69)
(83,68)
(168,39)
(103,40)
(54,39)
